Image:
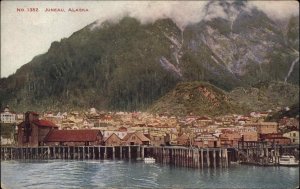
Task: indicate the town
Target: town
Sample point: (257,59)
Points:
(139,128)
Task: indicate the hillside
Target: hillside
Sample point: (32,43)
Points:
(129,65)
(197,98)
(200,98)
(265,96)
(292,112)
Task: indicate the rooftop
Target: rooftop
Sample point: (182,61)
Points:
(72,136)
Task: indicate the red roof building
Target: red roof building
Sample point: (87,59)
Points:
(275,138)
(33,131)
(44,123)
(74,137)
(113,140)
(136,138)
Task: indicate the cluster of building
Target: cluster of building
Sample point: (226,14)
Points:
(137,128)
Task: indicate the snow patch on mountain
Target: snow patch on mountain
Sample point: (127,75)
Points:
(167,65)
(176,45)
(291,69)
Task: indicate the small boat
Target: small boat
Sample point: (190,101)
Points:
(149,160)
(288,160)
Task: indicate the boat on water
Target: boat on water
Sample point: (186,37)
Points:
(288,160)
(149,160)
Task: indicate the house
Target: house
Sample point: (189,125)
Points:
(230,138)
(68,124)
(136,138)
(267,127)
(275,138)
(293,135)
(7,116)
(87,123)
(33,131)
(264,127)
(204,121)
(74,137)
(121,132)
(113,140)
(249,135)
(57,120)
(206,140)
(183,140)
(159,139)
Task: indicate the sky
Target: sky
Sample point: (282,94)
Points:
(26,34)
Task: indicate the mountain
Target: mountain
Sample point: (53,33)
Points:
(244,49)
(129,65)
(115,66)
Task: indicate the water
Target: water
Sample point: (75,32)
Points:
(52,174)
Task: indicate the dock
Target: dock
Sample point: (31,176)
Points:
(262,153)
(254,153)
(177,156)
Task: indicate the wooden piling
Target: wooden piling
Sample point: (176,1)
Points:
(99,152)
(94,153)
(129,152)
(176,156)
(207,157)
(26,153)
(143,152)
(113,149)
(220,158)
(105,152)
(214,156)
(11,154)
(121,150)
(202,158)
(226,157)
(69,153)
(138,152)
(198,156)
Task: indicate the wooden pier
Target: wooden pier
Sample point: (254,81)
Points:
(262,153)
(177,156)
(258,153)
(190,157)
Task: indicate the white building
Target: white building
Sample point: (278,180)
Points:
(121,132)
(7,116)
(293,135)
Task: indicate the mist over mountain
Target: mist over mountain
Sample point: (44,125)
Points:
(127,65)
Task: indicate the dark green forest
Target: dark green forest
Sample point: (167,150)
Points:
(119,66)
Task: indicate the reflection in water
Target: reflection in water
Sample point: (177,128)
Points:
(119,174)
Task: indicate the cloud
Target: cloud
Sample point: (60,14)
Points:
(277,10)
(25,35)
(182,12)
(190,12)
(214,10)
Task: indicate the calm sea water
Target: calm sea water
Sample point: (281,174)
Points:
(52,174)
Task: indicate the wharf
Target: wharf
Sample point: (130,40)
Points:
(260,153)
(177,156)
(254,153)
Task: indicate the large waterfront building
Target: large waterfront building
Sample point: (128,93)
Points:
(33,131)
(264,127)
